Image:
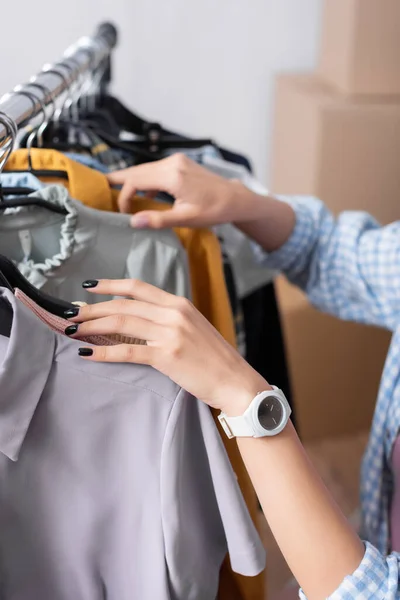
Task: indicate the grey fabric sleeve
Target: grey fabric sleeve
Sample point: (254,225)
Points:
(159,259)
(203,511)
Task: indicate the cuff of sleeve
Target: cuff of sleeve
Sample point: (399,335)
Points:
(376,577)
(306,209)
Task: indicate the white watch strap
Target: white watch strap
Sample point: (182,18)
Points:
(235,426)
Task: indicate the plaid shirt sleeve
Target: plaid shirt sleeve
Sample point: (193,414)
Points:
(377,578)
(349,266)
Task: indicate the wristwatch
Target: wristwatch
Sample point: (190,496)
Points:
(267,415)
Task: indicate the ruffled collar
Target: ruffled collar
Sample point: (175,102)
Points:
(38,273)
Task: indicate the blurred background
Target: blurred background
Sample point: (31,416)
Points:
(308,91)
(204,68)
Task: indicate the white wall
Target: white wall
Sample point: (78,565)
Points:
(204,68)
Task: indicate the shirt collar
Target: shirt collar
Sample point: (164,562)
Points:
(25,363)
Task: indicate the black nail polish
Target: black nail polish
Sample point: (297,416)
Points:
(71,329)
(85,351)
(71,312)
(90,283)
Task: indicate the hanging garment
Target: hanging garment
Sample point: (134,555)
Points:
(200,299)
(56,253)
(234,301)
(249,275)
(209,295)
(92,189)
(115,481)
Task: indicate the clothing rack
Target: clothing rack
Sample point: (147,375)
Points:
(86,55)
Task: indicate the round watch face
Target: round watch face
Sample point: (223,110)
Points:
(270,413)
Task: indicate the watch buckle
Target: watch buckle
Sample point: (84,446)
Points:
(225,426)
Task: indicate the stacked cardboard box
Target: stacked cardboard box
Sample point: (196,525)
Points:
(337,137)
(361,46)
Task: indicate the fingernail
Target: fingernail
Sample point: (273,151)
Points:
(90,283)
(71,312)
(71,329)
(140,222)
(85,351)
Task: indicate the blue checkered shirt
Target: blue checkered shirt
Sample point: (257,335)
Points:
(350,267)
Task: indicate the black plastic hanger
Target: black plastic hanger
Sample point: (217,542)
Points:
(42,173)
(6,317)
(57,137)
(26,200)
(6,313)
(152,136)
(11,278)
(134,123)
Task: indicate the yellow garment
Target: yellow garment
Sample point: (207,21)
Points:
(84,184)
(209,296)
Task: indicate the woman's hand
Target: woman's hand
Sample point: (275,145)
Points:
(202,198)
(181,343)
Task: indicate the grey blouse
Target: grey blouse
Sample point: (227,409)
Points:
(114,482)
(56,253)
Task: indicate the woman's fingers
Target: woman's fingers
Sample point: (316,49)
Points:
(179,215)
(118,323)
(134,308)
(139,290)
(124,353)
(147,177)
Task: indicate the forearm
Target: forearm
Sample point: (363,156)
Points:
(265,220)
(318,543)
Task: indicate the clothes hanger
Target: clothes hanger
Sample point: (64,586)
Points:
(67,124)
(132,123)
(6,314)
(11,278)
(85,106)
(40,173)
(154,137)
(23,198)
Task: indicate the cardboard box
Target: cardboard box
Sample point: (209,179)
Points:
(360,46)
(341,149)
(347,153)
(335,367)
